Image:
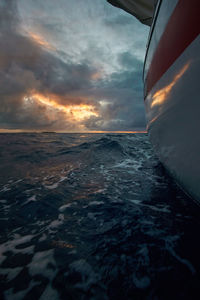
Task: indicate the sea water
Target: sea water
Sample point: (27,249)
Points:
(93,216)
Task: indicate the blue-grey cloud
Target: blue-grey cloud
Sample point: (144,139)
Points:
(88,69)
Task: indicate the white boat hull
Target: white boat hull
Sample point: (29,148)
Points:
(173,108)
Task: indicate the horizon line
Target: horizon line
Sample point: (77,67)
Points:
(59,131)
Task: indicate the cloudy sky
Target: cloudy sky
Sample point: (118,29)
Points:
(70,65)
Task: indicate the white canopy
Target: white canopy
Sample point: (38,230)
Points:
(143,10)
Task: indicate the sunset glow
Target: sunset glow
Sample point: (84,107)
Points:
(96,76)
(76,131)
(65,68)
(161,95)
(74,112)
(39,40)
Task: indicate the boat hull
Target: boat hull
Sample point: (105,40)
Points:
(172,102)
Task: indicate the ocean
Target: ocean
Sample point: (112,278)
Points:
(93,216)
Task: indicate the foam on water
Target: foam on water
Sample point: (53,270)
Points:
(93,216)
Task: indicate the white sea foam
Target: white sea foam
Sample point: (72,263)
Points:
(6,188)
(55,185)
(10,245)
(135,201)
(56,223)
(170,246)
(10,273)
(143,253)
(141,283)
(42,238)
(129,164)
(30,199)
(155,208)
(6,208)
(88,275)
(63,178)
(19,180)
(50,294)
(3,201)
(96,203)
(63,207)
(39,263)
(52,186)
(99,191)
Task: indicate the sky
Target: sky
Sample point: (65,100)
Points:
(70,65)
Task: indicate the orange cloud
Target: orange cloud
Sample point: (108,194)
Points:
(39,40)
(96,76)
(75,113)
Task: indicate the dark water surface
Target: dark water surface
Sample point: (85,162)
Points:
(93,216)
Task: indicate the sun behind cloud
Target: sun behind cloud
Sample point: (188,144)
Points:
(39,40)
(74,113)
(58,74)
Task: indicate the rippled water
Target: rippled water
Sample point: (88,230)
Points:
(93,216)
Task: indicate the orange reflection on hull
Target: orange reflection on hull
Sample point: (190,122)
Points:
(161,95)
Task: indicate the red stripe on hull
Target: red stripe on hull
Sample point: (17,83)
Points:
(182,28)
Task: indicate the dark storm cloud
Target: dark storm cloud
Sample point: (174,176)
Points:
(27,66)
(120,20)
(123,92)
(130,62)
